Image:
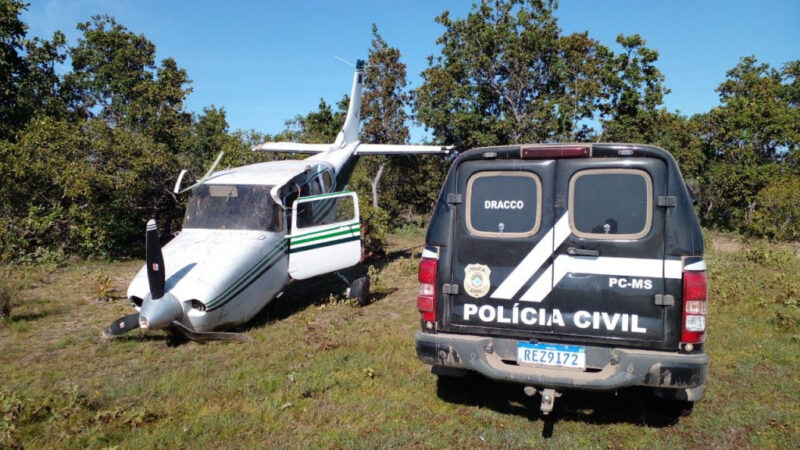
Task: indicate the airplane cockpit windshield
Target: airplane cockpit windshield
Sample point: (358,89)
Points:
(232,207)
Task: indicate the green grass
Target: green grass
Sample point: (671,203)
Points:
(321,372)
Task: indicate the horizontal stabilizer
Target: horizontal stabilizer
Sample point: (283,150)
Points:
(291,147)
(390,149)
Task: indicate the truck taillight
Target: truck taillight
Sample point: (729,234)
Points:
(695,306)
(426,300)
(556,151)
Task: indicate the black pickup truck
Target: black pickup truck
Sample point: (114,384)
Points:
(566,267)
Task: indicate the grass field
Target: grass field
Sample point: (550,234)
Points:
(321,372)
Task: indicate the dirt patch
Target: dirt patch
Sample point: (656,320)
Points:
(726,244)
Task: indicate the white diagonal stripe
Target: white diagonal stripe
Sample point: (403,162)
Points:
(544,284)
(526,268)
(541,287)
(533,261)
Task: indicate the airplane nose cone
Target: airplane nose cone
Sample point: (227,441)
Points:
(159,313)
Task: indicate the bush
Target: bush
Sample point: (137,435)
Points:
(764,254)
(727,192)
(86,190)
(10,285)
(375,226)
(777,210)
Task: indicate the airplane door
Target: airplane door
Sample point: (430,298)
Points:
(326,234)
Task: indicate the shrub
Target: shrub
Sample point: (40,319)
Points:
(375,226)
(10,285)
(764,254)
(777,210)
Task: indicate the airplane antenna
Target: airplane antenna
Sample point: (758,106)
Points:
(344,61)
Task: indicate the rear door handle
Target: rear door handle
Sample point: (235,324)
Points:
(582,252)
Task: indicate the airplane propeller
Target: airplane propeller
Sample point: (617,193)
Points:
(122,326)
(159,309)
(155,261)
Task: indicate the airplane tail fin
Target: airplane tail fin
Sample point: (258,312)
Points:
(349,133)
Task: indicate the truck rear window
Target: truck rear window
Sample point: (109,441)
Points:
(611,203)
(504,204)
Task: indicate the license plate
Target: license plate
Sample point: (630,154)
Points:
(569,356)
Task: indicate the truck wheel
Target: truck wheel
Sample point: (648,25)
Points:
(678,401)
(667,407)
(448,388)
(359,290)
(681,408)
(457,386)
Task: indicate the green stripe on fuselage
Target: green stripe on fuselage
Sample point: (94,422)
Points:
(271,256)
(327,230)
(334,233)
(325,244)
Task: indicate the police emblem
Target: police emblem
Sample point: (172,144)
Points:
(476,280)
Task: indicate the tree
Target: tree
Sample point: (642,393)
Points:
(12,66)
(678,135)
(210,135)
(114,77)
(507,75)
(749,142)
(776,213)
(634,90)
(320,126)
(28,81)
(756,121)
(383,106)
(81,188)
(40,90)
(791,94)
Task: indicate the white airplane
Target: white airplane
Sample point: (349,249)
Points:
(249,231)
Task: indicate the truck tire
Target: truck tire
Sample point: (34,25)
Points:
(668,403)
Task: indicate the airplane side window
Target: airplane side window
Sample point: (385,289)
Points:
(345,210)
(327,181)
(304,214)
(316,189)
(327,210)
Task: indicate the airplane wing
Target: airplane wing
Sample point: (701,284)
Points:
(291,147)
(390,149)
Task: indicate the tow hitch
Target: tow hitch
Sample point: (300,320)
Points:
(548,398)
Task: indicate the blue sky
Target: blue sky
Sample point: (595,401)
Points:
(265,62)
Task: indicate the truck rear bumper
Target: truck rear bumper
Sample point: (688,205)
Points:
(607,368)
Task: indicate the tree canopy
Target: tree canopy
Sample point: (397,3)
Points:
(507,74)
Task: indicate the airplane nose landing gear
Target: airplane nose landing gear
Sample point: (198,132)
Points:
(357,289)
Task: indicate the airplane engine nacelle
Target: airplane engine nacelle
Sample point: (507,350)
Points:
(159,313)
